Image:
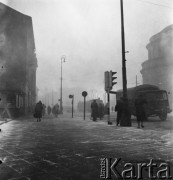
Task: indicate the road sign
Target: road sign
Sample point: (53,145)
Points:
(84,93)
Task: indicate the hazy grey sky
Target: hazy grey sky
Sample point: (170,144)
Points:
(88,33)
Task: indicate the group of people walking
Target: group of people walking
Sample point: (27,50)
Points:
(98,110)
(40,110)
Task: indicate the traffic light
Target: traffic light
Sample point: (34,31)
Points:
(106,81)
(111,79)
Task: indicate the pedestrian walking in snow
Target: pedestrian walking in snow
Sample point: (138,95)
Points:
(38,111)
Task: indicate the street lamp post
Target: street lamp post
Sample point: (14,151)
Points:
(61,107)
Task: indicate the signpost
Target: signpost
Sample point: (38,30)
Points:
(72,102)
(84,94)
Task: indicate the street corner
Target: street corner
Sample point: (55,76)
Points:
(5,121)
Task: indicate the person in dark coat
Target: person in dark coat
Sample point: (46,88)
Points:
(55,110)
(44,110)
(119,110)
(49,109)
(101,110)
(94,110)
(140,110)
(38,111)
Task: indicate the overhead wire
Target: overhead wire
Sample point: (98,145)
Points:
(161,5)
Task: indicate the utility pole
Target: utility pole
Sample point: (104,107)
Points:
(123,53)
(125,120)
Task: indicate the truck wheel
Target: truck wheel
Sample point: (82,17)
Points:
(163,116)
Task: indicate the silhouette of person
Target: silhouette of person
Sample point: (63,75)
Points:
(49,109)
(140,110)
(55,110)
(38,111)
(101,110)
(94,110)
(119,110)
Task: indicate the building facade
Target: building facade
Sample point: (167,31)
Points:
(158,69)
(18,62)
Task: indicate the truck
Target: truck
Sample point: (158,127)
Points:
(157,100)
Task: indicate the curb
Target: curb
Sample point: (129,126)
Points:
(5,121)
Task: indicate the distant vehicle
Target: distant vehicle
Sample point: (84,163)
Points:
(157,100)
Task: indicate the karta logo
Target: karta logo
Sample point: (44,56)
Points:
(115,168)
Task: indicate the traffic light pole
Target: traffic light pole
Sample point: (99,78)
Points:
(108,109)
(109,83)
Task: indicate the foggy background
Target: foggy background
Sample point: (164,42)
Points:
(88,33)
